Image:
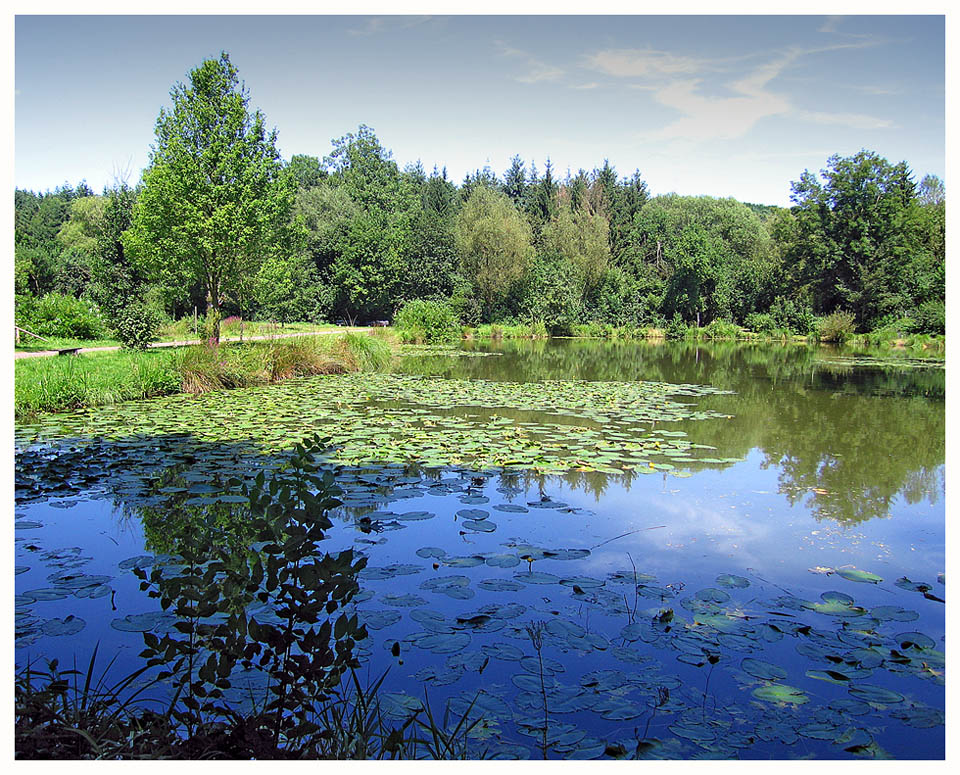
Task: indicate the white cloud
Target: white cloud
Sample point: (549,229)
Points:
(831,24)
(373,25)
(537,70)
(854,120)
(718,116)
(643,63)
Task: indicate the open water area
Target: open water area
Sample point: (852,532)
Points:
(653,550)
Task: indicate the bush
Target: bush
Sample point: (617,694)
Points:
(837,327)
(422,321)
(760,322)
(720,329)
(136,325)
(931,318)
(676,328)
(56,315)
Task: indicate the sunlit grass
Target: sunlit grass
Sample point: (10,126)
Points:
(53,384)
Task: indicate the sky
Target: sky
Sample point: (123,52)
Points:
(728,105)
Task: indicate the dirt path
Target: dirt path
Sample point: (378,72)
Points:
(44,353)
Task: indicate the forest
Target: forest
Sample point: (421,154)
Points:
(220,223)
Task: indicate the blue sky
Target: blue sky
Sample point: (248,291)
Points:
(723,105)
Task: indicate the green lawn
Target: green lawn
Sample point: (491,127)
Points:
(179,331)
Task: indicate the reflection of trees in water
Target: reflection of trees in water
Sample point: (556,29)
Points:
(848,440)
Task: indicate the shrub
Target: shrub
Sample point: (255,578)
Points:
(676,328)
(56,315)
(931,317)
(136,325)
(837,327)
(422,320)
(720,329)
(760,322)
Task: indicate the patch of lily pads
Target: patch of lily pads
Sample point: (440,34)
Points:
(549,426)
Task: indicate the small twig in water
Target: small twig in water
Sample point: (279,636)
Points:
(624,535)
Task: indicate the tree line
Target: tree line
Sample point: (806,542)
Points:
(221,223)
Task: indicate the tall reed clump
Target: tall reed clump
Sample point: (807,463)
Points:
(360,352)
(837,327)
(261,363)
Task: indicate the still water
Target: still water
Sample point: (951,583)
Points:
(747,566)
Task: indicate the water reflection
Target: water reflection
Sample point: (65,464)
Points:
(635,616)
(847,441)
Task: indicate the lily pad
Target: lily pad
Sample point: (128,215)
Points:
(781,693)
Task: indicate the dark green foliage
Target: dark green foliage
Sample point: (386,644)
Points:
(352,237)
(676,328)
(930,318)
(423,321)
(119,284)
(864,241)
(56,315)
(307,653)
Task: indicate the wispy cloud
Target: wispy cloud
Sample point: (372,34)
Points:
(536,71)
(878,91)
(678,82)
(591,85)
(373,25)
(831,24)
(855,120)
(643,63)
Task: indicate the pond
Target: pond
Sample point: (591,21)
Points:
(722,550)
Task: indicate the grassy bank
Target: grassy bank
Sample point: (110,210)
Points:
(716,331)
(95,379)
(179,331)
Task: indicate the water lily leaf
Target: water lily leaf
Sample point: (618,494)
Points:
(781,693)
(146,622)
(69,625)
(503,560)
(500,585)
(511,508)
(463,562)
(139,561)
(830,676)
(502,651)
(44,594)
(413,516)
(444,643)
(892,613)
(919,717)
(378,620)
(481,526)
(915,640)
(402,601)
(537,577)
(732,581)
(765,671)
(852,574)
(875,694)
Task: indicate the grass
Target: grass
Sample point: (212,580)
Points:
(77,715)
(181,330)
(68,383)
(93,379)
